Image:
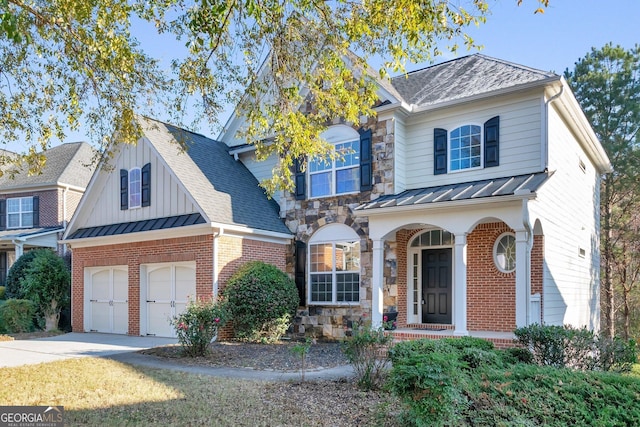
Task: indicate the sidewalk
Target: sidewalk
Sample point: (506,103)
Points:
(138,359)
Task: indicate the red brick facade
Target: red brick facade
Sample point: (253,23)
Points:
(232,253)
(50,205)
(490,293)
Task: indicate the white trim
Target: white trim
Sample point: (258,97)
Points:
(260,235)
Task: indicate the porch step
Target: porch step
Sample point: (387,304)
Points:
(499,339)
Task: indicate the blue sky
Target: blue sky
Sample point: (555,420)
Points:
(552,41)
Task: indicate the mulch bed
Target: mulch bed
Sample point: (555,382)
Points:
(265,357)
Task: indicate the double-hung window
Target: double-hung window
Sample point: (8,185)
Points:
(330,177)
(20,212)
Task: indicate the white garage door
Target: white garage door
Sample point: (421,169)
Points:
(106,300)
(169,287)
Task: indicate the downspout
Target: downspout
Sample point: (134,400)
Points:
(65,190)
(546,127)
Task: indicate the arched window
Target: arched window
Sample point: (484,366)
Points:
(465,148)
(330,177)
(334,265)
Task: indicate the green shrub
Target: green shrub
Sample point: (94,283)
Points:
(198,325)
(16,274)
(262,301)
(513,355)
(566,346)
(469,342)
(16,316)
(46,282)
(2,292)
(367,351)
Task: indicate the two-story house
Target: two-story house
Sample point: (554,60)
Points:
(468,206)
(35,208)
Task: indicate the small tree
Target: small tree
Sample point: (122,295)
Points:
(46,283)
(262,300)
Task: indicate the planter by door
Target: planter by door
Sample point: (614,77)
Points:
(165,291)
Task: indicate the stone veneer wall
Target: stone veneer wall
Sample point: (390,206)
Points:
(305,217)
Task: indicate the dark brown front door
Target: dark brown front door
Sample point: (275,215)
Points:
(436,286)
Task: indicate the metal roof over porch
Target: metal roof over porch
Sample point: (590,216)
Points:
(506,186)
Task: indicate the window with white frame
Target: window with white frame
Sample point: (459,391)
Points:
(504,252)
(465,148)
(20,212)
(334,266)
(330,177)
(135,188)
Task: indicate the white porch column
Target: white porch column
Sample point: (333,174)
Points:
(460,285)
(522,278)
(377,283)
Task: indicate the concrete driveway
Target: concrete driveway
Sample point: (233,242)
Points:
(73,345)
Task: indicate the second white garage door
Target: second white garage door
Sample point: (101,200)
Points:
(165,290)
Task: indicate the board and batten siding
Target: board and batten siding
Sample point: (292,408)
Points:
(568,206)
(167,195)
(400,156)
(520,139)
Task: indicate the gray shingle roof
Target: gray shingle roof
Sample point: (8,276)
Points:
(485,188)
(224,188)
(464,77)
(69,163)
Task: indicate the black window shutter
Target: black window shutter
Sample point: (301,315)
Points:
(300,180)
(3,214)
(36,211)
(124,189)
(366,173)
(3,268)
(439,151)
(492,142)
(146,185)
(301,271)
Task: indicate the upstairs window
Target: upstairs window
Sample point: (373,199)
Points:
(340,176)
(20,212)
(135,187)
(465,146)
(349,173)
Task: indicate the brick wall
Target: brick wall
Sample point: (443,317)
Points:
(491,294)
(537,261)
(49,205)
(232,253)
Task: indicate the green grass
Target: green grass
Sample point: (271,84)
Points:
(105,392)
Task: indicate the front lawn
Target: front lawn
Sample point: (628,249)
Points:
(106,392)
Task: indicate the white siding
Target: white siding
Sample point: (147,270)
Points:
(520,139)
(167,195)
(568,208)
(400,156)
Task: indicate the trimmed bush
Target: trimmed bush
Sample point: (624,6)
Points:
(46,283)
(566,346)
(198,325)
(2,292)
(16,274)
(262,301)
(16,316)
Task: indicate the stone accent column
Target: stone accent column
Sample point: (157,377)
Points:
(460,285)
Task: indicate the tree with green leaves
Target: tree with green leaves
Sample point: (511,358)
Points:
(607,84)
(70,62)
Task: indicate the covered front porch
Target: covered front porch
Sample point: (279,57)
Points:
(464,267)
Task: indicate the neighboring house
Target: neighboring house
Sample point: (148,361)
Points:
(470,205)
(159,226)
(34,209)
